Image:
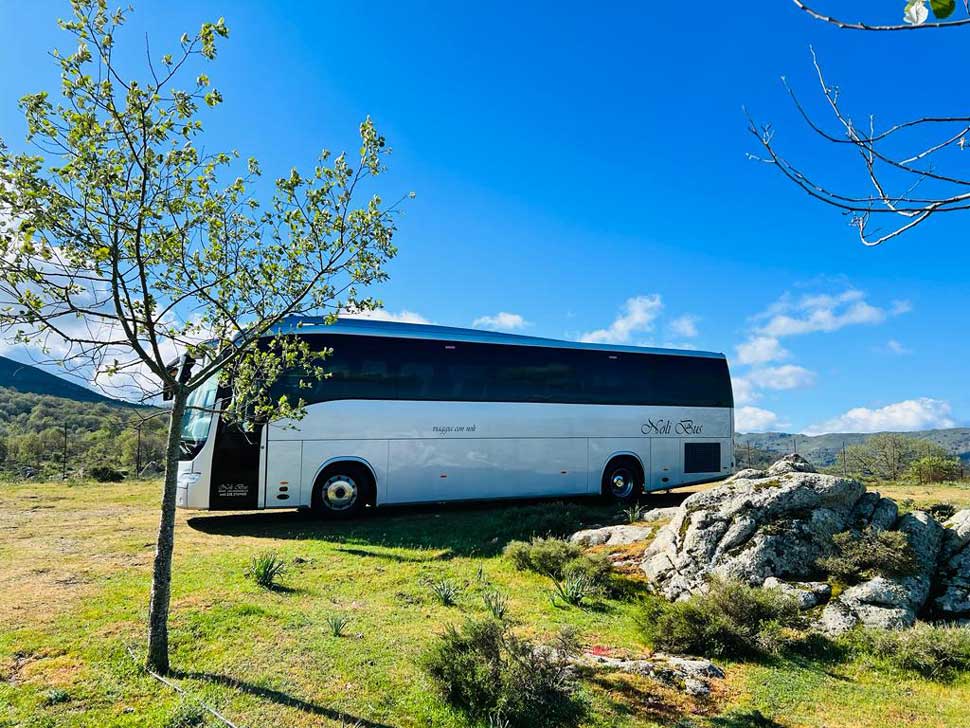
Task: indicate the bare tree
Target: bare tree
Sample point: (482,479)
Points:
(912,168)
(127,246)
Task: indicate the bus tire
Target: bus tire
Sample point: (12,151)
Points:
(342,490)
(623,480)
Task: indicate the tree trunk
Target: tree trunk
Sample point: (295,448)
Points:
(162,565)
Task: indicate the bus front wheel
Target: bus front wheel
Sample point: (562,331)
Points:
(622,481)
(342,490)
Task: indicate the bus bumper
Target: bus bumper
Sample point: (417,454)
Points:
(192,489)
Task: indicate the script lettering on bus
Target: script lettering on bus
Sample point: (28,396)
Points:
(456,429)
(669,427)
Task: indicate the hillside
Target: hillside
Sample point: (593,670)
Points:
(32,380)
(824,450)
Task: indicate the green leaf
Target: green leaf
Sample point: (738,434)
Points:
(943,8)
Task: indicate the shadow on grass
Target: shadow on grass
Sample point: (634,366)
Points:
(280,698)
(747,719)
(464,529)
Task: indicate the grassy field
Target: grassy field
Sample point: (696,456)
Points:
(74,574)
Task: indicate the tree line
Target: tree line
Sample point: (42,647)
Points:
(50,437)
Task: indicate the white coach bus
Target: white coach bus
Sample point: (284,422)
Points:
(414,413)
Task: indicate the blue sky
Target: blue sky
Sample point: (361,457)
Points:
(582,170)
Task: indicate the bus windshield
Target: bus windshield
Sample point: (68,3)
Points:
(198,410)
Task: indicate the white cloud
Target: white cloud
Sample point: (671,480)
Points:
(404,316)
(684,326)
(744,391)
(754,419)
(761,350)
(502,321)
(900,307)
(788,376)
(912,414)
(638,315)
(820,313)
(897,348)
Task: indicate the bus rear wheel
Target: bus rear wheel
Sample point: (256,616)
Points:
(342,490)
(622,481)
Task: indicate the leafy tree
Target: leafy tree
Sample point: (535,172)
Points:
(911,169)
(129,243)
(887,455)
(935,469)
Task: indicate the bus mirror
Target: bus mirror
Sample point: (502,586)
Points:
(168,392)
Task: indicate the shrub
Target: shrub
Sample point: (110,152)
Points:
(574,588)
(558,560)
(859,556)
(105,474)
(485,670)
(496,603)
(445,591)
(935,469)
(265,569)
(337,623)
(547,556)
(634,513)
(936,651)
(730,620)
(55,696)
(942,512)
(186,715)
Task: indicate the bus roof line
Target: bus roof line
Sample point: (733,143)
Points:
(398,329)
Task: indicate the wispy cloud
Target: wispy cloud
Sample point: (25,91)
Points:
(404,316)
(923,413)
(502,321)
(637,315)
(788,376)
(684,327)
(754,419)
(894,347)
(761,350)
(823,313)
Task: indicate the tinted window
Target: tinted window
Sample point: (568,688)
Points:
(702,457)
(363,367)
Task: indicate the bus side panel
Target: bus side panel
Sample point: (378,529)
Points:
(476,468)
(283,487)
(317,454)
(602,450)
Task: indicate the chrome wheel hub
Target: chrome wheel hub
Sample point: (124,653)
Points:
(621,483)
(340,492)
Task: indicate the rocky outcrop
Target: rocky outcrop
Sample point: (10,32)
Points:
(953,579)
(769,528)
(612,535)
(759,524)
(693,675)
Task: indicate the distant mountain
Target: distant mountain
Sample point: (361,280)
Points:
(32,380)
(826,450)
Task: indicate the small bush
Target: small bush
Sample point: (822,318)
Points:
(445,591)
(186,715)
(858,556)
(337,623)
(942,512)
(936,651)
(574,588)
(935,469)
(634,513)
(265,569)
(547,556)
(492,675)
(731,620)
(56,696)
(558,559)
(105,474)
(496,603)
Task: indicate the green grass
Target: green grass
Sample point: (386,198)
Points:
(74,577)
